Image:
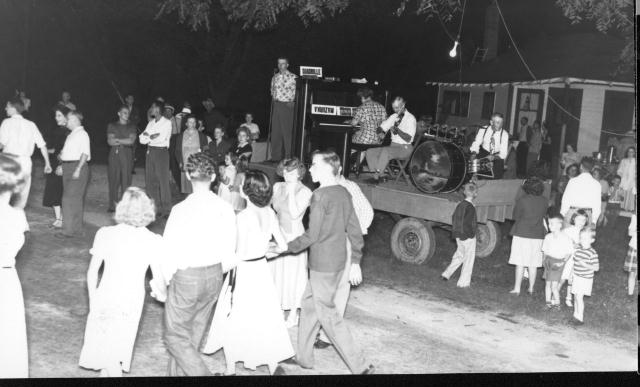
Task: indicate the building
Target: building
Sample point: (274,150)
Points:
(574,86)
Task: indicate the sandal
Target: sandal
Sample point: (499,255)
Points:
(57,223)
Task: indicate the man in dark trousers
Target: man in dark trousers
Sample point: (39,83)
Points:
(283,92)
(332,222)
(121,135)
(522,152)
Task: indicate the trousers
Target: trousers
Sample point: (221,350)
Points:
(522,151)
(73,195)
(22,196)
(319,310)
(465,255)
(342,294)
(378,158)
(156,176)
(191,298)
(119,172)
(281,130)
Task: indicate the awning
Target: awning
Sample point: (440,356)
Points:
(564,80)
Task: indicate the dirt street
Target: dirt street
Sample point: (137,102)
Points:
(401,328)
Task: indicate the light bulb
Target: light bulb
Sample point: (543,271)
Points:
(454,50)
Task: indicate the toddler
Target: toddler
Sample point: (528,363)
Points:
(227,176)
(578,221)
(557,248)
(585,265)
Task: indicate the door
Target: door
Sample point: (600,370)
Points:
(529,104)
(617,116)
(570,100)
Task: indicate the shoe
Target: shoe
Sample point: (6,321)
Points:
(279,371)
(568,302)
(57,223)
(321,344)
(369,370)
(576,322)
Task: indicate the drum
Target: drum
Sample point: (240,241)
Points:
(438,167)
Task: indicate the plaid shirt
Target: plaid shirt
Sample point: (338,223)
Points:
(369,115)
(283,87)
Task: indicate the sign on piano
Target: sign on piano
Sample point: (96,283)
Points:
(330,110)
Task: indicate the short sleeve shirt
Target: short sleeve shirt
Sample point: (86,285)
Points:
(283,87)
(557,247)
(76,144)
(407,124)
(369,115)
(19,136)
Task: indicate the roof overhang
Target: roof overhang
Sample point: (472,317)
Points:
(565,80)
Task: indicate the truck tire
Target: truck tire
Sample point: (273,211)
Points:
(487,239)
(413,241)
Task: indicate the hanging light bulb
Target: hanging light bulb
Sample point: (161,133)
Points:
(454,50)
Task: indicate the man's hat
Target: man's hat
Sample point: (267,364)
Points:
(167,106)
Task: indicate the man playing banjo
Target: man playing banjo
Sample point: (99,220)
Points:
(492,143)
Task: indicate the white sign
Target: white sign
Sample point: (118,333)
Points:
(310,71)
(346,111)
(327,110)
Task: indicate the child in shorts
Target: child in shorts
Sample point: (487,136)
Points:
(585,265)
(557,248)
(578,221)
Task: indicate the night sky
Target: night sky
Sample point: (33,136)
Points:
(85,46)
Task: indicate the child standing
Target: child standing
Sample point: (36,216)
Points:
(585,265)
(616,196)
(463,228)
(578,221)
(557,248)
(631,261)
(227,176)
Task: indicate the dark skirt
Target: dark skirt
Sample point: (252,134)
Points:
(52,190)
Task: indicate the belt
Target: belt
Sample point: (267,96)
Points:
(157,147)
(68,162)
(122,146)
(580,208)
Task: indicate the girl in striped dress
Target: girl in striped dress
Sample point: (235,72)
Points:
(585,264)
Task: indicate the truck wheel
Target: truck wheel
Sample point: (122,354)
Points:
(487,239)
(413,241)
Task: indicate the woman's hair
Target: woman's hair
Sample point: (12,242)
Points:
(365,93)
(234,158)
(330,157)
(257,187)
(626,153)
(135,208)
(578,213)
(62,109)
(243,129)
(289,165)
(533,186)
(200,167)
(11,176)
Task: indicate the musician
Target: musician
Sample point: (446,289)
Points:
(402,125)
(492,142)
(369,115)
(283,92)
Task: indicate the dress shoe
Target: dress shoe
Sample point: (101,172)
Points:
(321,344)
(369,370)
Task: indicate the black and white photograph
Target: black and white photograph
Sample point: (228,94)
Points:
(278,188)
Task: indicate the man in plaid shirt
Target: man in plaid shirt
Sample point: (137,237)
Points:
(368,116)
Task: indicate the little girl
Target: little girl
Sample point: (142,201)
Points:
(115,304)
(557,248)
(227,176)
(631,261)
(585,265)
(578,221)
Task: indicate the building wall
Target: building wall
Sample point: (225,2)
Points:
(476,94)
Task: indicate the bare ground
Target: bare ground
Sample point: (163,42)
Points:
(405,318)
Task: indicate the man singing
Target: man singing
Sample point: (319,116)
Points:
(283,92)
(121,136)
(492,142)
(402,125)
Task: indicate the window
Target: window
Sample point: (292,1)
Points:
(488,101)
(455,103)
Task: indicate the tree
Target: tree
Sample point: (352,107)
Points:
(609,16)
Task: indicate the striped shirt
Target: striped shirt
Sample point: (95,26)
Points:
(585,262)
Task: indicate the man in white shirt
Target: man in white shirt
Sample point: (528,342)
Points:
(492,142)
(200,237)
(157,136)
(74,168)
(364,213)
(18,136)
(583,192)
(402,125)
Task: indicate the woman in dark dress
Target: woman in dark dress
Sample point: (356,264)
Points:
(243,148)
(55,138)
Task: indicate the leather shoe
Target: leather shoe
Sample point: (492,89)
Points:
(369,370)
(321,344)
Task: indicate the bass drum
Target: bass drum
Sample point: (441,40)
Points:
(438,167)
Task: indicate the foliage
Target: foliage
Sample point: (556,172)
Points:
(609,16)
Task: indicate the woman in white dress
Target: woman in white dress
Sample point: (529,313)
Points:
(247,322)
(627,172)
(14,356)
(115,305)
(290,201)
